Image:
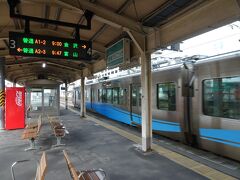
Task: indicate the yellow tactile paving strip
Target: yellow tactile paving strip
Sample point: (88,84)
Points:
(177,158)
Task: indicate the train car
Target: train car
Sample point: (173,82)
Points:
(196,102)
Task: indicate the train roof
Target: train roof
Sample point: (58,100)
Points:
(196,60)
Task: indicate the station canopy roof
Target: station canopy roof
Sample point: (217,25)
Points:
(154,23)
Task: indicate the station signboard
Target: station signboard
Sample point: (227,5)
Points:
(118,53)
(22,44)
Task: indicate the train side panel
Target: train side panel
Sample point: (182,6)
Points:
(211,115)
(218,134)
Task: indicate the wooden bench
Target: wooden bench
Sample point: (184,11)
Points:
(94,174)
(58,130)
(41,168)
(31,132)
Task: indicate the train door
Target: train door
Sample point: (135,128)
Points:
(92,97)
(135,103)
(77,97)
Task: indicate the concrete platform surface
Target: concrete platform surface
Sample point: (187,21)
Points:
(89,146)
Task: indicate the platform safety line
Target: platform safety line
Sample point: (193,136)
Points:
(195,166)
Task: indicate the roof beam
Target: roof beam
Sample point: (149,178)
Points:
(4,52)
(58,74)
(69,66)
(80,21)
(33,76)
(57,16)
(210,15)
(157,10)
(46,13)
(50,66)
(110,18)
(104,27)
(6,43)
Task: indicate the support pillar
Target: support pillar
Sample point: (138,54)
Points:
(82,92)
(66,95)
(146,82)
(2,91)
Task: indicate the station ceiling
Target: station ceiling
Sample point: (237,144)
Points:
(154,24)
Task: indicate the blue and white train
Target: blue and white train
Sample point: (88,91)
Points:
(197,103)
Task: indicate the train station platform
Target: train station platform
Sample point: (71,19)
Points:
(96,142)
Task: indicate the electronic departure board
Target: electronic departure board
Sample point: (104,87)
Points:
(22,44)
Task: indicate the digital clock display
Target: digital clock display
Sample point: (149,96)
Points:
(22,44)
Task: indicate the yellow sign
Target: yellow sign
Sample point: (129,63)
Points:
(2,97)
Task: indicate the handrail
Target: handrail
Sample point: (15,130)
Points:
(15,163)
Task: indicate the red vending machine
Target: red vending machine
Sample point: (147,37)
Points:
(15,108)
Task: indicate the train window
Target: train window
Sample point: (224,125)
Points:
(166,96)
(134,96)
(115,95)
(78,94)
(99,95)
(221,97)
(122,96)
(109,95)
(87,94)
(140,96)
(104,95)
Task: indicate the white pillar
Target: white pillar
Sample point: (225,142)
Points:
(66,96)
(82,92)
(146,82)
(2,91)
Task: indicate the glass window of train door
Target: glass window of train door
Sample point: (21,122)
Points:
(121,96)
(134,96)
(166,96)
(78,95)
(109,95)
(99,95)
(115,92)
(139,96)
(104,95)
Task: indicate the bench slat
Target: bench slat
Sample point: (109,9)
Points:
(42,167)
(71,168)
(81,175)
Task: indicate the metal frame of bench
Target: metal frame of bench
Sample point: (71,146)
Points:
(92,174)
(31,132)
(58,130)
(41,167)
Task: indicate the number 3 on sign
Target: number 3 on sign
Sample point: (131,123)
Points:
(12,44)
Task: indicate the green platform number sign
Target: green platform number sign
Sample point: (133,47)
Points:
(118,53)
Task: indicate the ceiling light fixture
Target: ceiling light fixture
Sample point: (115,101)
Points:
(43,65)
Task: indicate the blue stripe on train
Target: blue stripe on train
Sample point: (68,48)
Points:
(225,136)
(228,137)
(124,116)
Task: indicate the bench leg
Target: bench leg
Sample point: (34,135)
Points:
(58,142)
(32,145)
